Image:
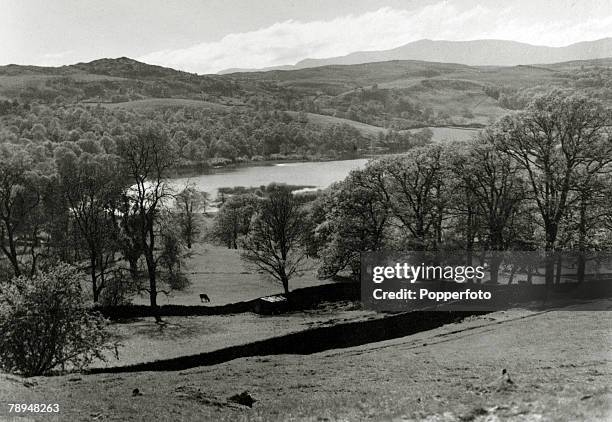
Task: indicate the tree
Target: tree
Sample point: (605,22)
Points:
(275,241)
(146,158)
(190,204)
(415,186)
(44,324)
(171,253)
(587,220)
(20,199)
(357,214)
(554,140)
(233,221)
(492,194)
(90,185)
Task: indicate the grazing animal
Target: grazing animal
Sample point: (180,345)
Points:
(136,392)
(204,298)
(504,382)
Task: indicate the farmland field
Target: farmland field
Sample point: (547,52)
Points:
(219,272)
(153,103)
(559,362)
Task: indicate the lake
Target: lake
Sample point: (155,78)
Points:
(320,174)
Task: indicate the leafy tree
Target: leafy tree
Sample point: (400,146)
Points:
(357,220)
(492,194)
(90,185)
(554,140)
(233,221)
(190,204)
(171,254)
(20,201)
(44,324)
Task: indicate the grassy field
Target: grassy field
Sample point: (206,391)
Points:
(440,134)
(153,103)
(450,134)
(220,273)
(324,120)
(559,362)
(143,340)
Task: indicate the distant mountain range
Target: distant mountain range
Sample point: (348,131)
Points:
(473,53)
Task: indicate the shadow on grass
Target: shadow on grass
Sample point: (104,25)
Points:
(308,341)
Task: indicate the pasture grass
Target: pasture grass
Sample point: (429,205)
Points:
(154,103)
(220,273)
(559,362)
(143,340)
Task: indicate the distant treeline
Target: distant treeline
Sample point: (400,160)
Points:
(201,137)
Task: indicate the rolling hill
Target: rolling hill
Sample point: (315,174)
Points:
(473,53)
(399,94)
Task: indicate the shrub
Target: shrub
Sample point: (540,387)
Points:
(44,324)
(119,288)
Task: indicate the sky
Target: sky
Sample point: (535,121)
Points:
(206,36)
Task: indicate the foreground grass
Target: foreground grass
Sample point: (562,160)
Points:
(559,362)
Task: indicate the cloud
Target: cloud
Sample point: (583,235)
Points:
(54,59)
(291,41)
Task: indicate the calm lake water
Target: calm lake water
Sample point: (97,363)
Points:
(317,174)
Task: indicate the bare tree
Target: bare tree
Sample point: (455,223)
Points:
(146,159)
(416,191)
(275,242)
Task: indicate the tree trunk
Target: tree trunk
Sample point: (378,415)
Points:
(549,274)
(559,266)
(94,280)
(529,274)
(551,240)
(133,262)
(494,267)
(151,269)
(512,273)
(469,246)
(582,241)
(581,266)
(11,254)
